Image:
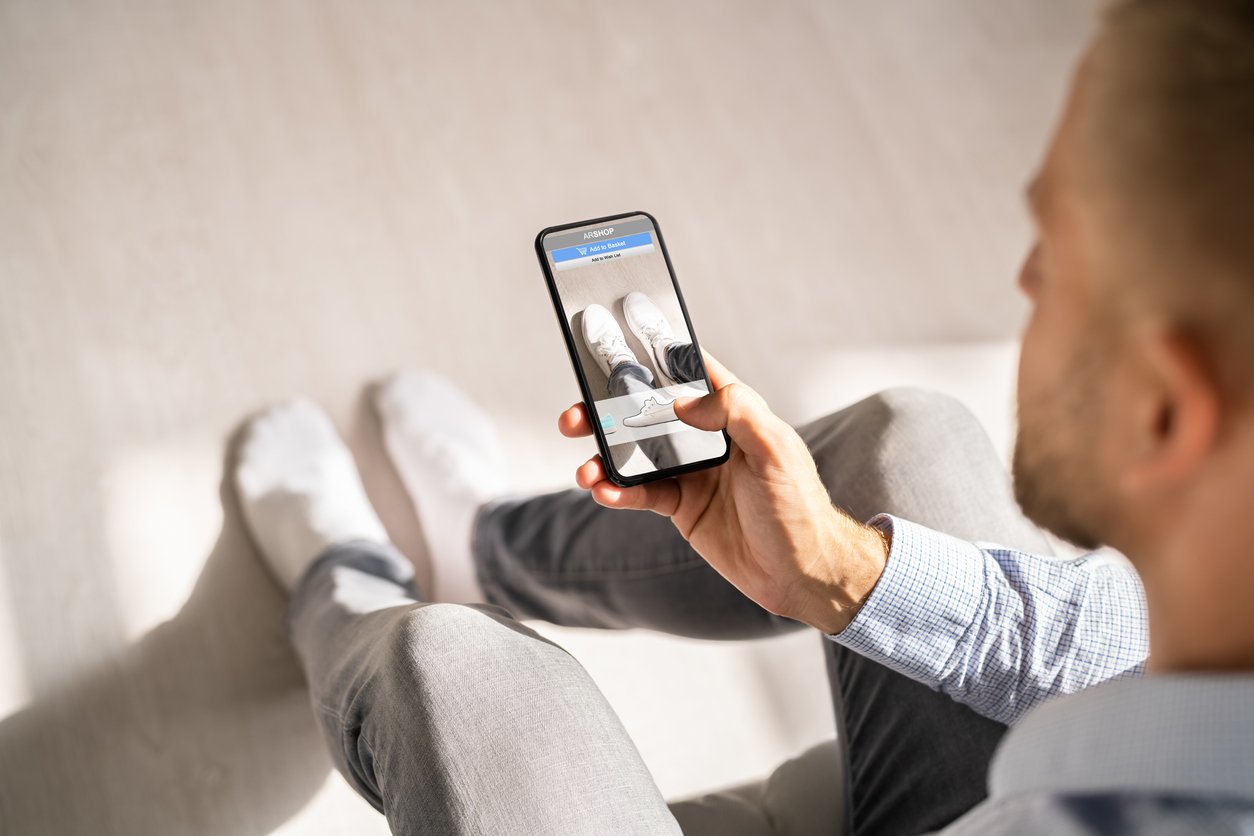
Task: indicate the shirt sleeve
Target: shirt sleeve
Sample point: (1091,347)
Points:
(997,629)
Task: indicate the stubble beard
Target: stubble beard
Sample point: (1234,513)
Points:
(1056,477)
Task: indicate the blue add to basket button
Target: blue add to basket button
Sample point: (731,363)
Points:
(595,248)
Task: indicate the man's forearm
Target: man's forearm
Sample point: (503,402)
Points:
(841,579)
(996,629)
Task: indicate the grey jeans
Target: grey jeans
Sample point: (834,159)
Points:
(459,719)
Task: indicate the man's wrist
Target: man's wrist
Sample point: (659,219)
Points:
(845,575)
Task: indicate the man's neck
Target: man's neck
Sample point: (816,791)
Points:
(1199,586)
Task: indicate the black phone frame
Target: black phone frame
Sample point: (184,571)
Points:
(588,401)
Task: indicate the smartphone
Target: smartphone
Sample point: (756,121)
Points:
(631,344)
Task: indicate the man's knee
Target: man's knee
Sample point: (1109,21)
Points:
(441,646)
(897,444)
(427,644)
(930,436)
(901,418)
(923,420)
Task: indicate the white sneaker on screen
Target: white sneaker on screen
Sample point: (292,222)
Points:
(652,328)
(652,413)
(605,339)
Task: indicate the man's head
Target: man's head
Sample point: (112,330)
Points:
(1136,390)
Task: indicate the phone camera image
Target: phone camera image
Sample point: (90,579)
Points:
(632,343)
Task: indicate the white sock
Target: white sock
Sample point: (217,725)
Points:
(299,489)
(448,454)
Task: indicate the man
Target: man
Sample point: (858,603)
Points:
(1136,397)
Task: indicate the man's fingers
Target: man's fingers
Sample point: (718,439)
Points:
(732,406)
(737,409)
(712,411)
(574,423)
(590,472)
(659,497)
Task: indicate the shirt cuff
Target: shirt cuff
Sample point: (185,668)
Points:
(924,605)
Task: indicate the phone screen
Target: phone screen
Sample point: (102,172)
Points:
(632,342)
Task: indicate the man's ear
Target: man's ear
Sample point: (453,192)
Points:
(1178,419)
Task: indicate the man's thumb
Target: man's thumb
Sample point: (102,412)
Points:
(695,413)
(735,408)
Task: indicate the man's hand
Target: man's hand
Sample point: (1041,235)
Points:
(763,519)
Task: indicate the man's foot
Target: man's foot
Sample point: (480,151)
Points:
(299,489)
(448,454)
(652,328)
(605,339)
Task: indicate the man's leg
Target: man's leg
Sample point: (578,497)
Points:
(562,558)
(915,759)
(448,718)
(458,719)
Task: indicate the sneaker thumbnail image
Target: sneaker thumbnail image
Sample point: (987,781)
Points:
(652,413)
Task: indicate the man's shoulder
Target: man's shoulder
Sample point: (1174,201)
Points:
(1088,813)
